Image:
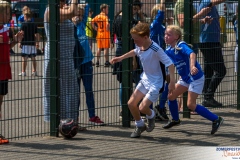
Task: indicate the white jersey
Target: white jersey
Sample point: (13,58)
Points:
(152,76)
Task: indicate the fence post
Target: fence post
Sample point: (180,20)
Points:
(188,14)
(126,64)
(238,73)
(54,65)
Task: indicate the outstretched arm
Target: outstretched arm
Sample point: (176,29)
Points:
(126,55)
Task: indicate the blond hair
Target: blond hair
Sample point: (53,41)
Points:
(177,30)
(141,29)
(155,10)
(4,5)
(27,13)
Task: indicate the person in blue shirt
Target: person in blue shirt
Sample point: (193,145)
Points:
(192,79)
(21,17)
(210,46)
(235,23)
(157,30)
(85,66)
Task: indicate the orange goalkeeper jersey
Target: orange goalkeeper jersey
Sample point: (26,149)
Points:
(102,22)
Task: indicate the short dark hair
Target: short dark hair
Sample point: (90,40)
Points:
(137,3)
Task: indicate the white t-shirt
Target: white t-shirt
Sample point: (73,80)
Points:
(152,77)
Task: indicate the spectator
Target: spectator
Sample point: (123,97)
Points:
(214,67)
(138,16)
(29,43)
(117,67)
(192,79)
(21,17)
(179,20)
(89,29)
(103,34)
(236,32)
(85,67)
(69,91)
(151,79)
(157,30)
(5,69)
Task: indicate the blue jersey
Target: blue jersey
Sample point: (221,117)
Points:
(210,32)
(21,18)
(81,33)
(157,29)
(181,60)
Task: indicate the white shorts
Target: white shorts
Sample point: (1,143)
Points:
(195,86)
(152,95)
(27,49)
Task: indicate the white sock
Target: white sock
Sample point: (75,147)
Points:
(151,116)
(139,123)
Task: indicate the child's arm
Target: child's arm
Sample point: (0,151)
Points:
(16,38)
(120,58)
(37,39)
(193,69)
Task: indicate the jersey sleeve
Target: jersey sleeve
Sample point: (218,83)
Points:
(186,49)
(163,57)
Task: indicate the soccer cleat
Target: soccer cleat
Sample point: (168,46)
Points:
(120,115)
(107,64)
(150,124)
(216,125)
(96,121)
(172,123)
(211,102)
(3,140)
(161,113)
(97,64)
(138,131)
(22,74)
(34,73)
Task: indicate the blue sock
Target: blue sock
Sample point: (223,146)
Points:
(204,112)
(120,94)
(173,108)
(163,98)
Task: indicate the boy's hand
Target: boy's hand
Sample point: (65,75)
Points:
(115,60)
(18,37)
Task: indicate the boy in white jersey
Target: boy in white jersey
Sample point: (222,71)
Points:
(150,54)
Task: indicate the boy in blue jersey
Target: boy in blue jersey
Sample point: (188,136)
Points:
(236,32)
(192,79)
(147,90)
(214,67)
(157,30)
